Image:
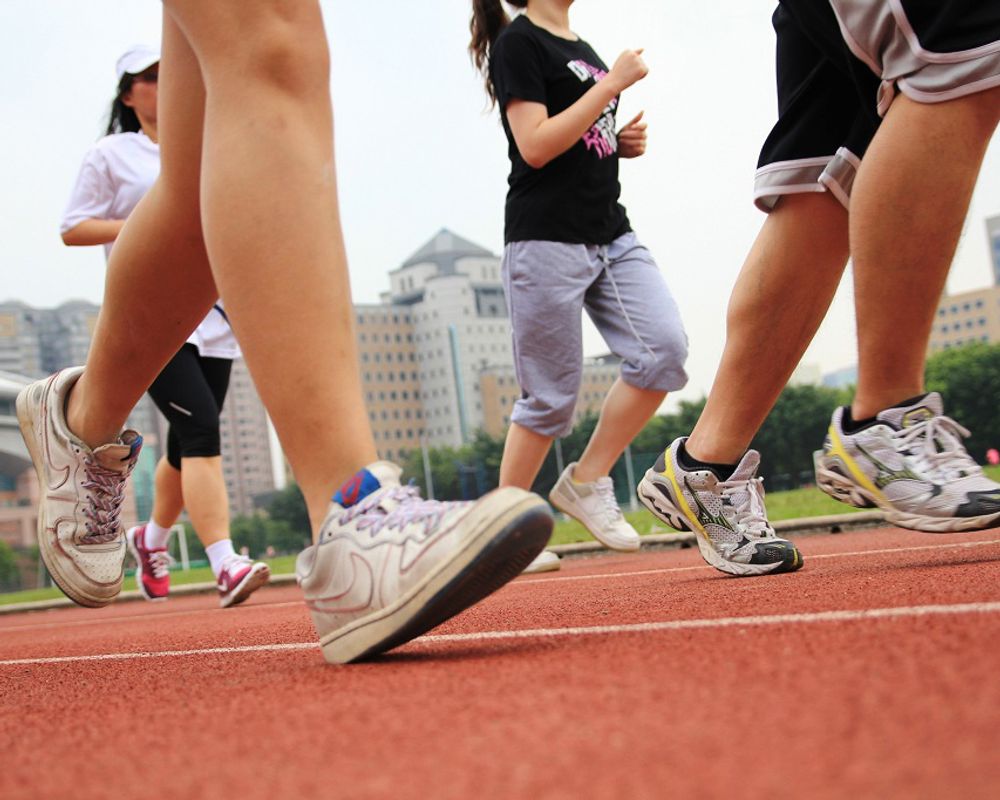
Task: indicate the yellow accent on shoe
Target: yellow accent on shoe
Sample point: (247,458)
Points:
(837,449)
(668,473)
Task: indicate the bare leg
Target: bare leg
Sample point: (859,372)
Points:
(524,453)
(168,496)
(272,228)
(205,497)
(626,409)
(267,200)
(780,298)
(909,202)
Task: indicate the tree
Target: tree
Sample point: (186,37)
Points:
(10,575)
(968,377)
(289,507)
(795,428)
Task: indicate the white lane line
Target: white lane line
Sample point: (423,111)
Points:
(529,581)
(595,630)
(808,558)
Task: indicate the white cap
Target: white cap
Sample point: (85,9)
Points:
(136,59)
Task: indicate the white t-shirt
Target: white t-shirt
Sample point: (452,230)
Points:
(116,173)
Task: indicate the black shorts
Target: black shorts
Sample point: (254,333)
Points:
(839,66)
(190,392)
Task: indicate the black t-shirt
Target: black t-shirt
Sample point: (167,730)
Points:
(573,198)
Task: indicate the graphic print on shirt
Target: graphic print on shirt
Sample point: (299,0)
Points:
(601,137)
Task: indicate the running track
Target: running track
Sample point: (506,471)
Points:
(872,673)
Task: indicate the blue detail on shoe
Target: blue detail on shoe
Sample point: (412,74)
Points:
(356,488)
(134,448)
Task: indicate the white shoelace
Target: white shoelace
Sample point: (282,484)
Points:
(396,508)
(936,445)
(159,563)
(106,491)
(750,513)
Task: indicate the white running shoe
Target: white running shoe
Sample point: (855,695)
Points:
(595,507)
(728,516)
(80,537)
(546,561)
(911,463)
(390,565)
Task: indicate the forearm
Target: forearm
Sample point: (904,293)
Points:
(555,135)
(93,231)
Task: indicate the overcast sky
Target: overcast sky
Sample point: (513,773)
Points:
(417,149)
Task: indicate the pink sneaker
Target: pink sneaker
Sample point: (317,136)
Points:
(152,572)
(240,578)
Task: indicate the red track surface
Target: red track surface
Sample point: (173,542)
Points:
(888,705)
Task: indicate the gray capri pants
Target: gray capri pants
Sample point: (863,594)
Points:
(548,284)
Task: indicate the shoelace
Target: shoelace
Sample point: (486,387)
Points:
(159,563)
(936,444)
(750,513)
(396,508)
(106,493)
(233,564)
(606,491)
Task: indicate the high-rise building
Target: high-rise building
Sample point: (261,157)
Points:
(972,316)
(20,339)
(993,237)
(436,358)
(246,443)
(966,317)
(36,342)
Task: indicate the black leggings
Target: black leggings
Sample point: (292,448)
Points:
(189,392)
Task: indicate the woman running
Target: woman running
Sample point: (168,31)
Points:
(568,248)
(191,389)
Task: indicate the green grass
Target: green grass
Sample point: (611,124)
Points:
(793,504)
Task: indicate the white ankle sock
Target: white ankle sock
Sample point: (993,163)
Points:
(156,537)
(219,553)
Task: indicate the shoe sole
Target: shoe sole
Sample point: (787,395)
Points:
(842,488)
(47,549)
(493,557)
(667,512)
(554,499)
(251,582)
(134,551)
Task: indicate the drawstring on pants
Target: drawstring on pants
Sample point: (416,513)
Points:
(602,255)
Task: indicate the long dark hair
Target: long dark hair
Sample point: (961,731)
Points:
(123,119)
(488,19)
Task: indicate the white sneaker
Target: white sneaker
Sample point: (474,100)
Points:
(546,561)
(728,516)
(912,464)
(80,537)
(392,565)
(595,507)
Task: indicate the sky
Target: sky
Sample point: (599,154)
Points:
(419,150)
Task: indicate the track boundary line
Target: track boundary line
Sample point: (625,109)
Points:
(662,570)
(899,612)
(527,581)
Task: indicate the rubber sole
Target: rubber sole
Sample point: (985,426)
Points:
(482,567)
(847,491)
